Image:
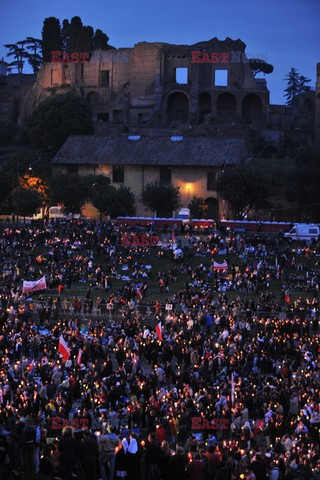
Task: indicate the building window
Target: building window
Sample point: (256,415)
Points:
(211,181)
(220,78)
(117,116)
(142,118)
(104,78)
(118,174)
(73,169)
(103,116)
(182,75)
(165,174)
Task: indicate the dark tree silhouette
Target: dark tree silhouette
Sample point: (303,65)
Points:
(18,52)
(161,198)
(72,37)
(51,38)
(58,117)
(198,207)
(296,85)
(100,41)
(71,190)
(34,46)
(243,188)
(110,200)
(25,202)
(257,65)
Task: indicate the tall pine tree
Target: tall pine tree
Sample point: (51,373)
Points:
(51,38)
(100,41)
(296,85)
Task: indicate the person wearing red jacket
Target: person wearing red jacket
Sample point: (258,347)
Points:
(160,434)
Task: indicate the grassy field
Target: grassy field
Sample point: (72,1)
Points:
(164,264)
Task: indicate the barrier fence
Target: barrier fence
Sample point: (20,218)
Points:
(116,310)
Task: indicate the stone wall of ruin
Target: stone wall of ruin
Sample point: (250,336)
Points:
(140,89)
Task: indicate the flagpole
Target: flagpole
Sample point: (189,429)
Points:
(232,388)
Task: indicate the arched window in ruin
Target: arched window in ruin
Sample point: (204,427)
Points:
(93,98)
(251,108)
(177,107)
(226,107)
(204,105)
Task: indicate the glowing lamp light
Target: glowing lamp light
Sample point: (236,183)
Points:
(188,188)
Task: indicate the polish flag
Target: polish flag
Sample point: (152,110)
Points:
(34,286)
(159,331)
(63,349)
(220,266)
(138,293)
(79,357)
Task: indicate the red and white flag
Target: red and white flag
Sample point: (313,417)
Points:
(34,286)
(79,357)
(220,266)
(159,331)
(30,366)
(63,349)
(138,293)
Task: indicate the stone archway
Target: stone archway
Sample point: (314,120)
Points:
(226,107)
(204,105)
(177,107)
(213,208)
(251,108)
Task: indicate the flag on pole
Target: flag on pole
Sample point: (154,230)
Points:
(30,366)
(287,298)
(34,286)
(159,331)
(232,388)
(220,266)
(173,237)
(63,349)
(138,293)
(79,357)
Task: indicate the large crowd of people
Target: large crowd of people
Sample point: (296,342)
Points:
(225,388)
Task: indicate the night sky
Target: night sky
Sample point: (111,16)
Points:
(285,32)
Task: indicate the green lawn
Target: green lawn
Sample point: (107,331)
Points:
(164,264)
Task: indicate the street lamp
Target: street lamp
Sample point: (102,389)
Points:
(36,161)
(188,191)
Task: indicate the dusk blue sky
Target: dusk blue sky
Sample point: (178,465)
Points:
(285,31)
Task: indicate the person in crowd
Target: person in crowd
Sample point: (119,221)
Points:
(69,453)
(107,445)
(88,449)
(235,378)
(152,458)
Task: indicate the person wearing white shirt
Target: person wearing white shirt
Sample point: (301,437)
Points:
(146,333)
